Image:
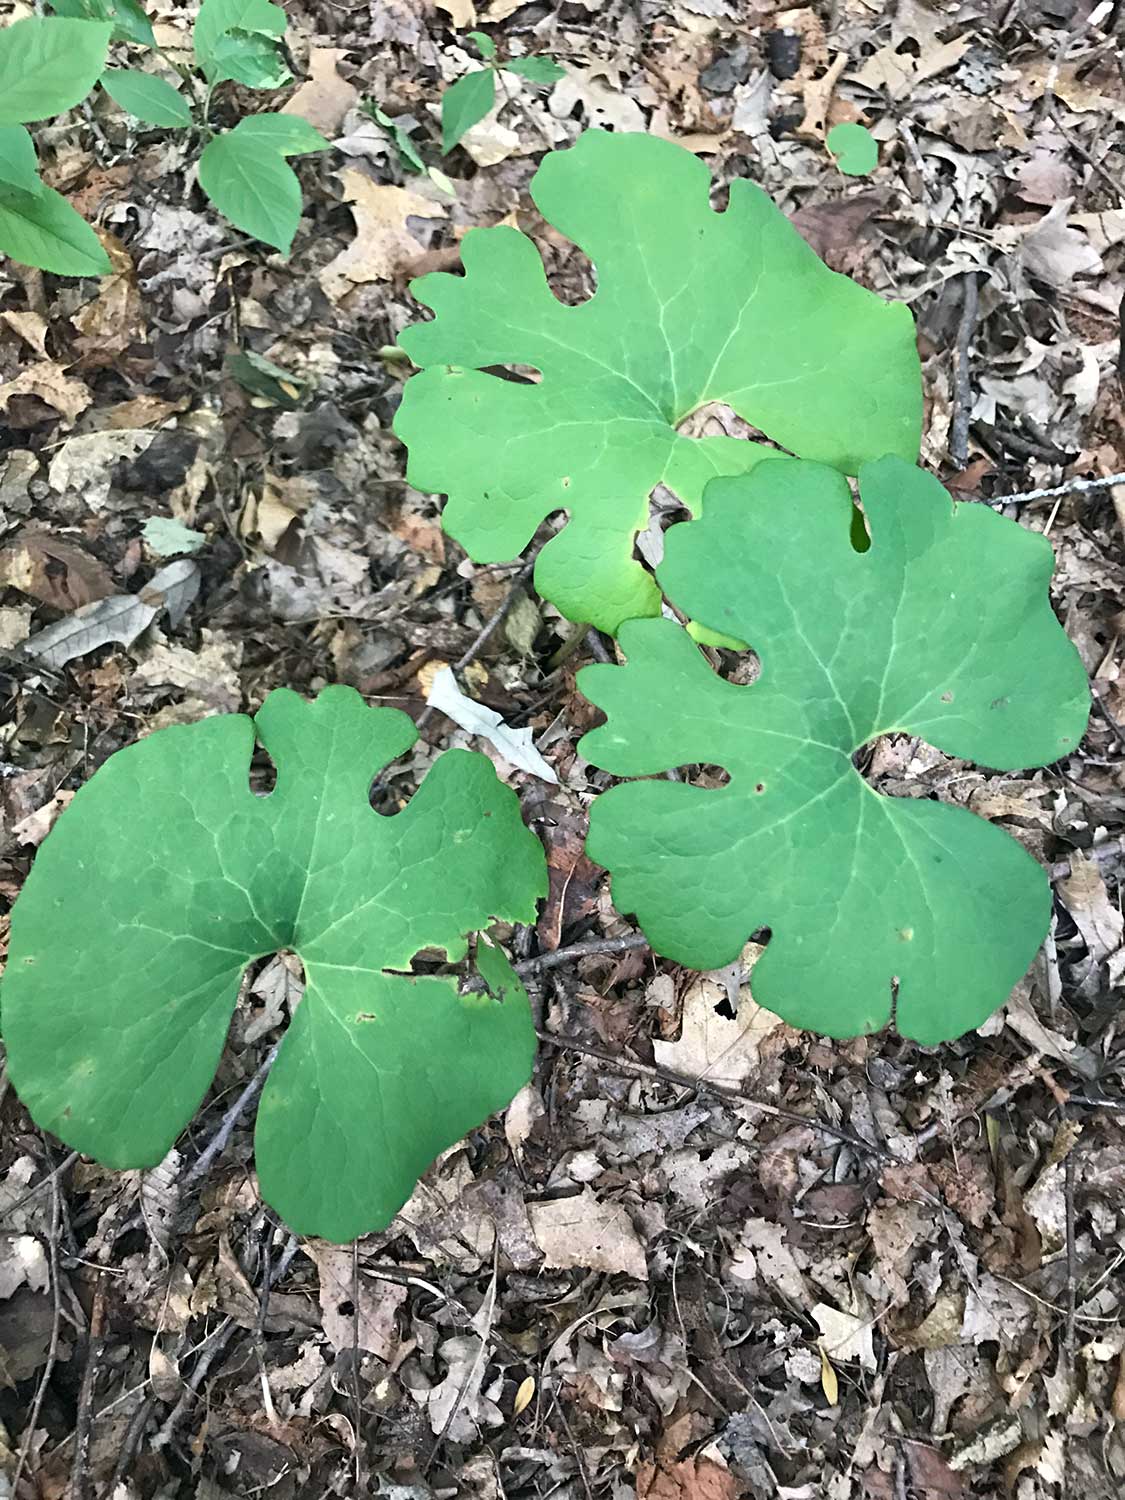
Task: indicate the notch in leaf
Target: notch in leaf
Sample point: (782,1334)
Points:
(166,876)
(942,628)
(691,307)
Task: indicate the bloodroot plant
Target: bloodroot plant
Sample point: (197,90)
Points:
(894,612)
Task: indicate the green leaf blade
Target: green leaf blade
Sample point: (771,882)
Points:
(167,884)
(246,177)
(48,65)
(536,69)
(465,104)
(151,99)
(41,229)
(19,167)
(691,306)
(855,149)
(943,628)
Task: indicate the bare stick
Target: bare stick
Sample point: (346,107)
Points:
(231,1119)
(53,1349)
(962,372)
(1072,487)
(629,944)
(724,1091)
(78,1469)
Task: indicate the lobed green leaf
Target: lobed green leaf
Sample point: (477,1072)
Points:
(692,306)
(941,629)
(166,876)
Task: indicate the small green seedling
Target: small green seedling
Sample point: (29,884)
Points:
(466,102)
(167,875)
(692,306)
(855,149)
(943,629)
(50,64)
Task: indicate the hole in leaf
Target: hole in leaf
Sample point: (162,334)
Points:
(861,536)
(726,1009)
(346,1309)
(717,419)
(263,772)
(710,778)
(385,800)
(517,374)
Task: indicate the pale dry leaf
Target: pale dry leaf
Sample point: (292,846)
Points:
(763,1256)
(49,383)
(844,1336)
(372,1324)
(1085,897)
(513,745)
(86,463)
(325,98)
(711,1046)
(458,1407)
(121,617)
(209,676)
(581,1232)
(31,327)
(603,106)
(461,12)
(23,1262)
(383,247)
(33,829)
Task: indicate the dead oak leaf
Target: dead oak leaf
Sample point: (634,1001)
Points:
(55,572)
(383,247)
(581,1232)
(693,1479)
(48,382)
(325,98)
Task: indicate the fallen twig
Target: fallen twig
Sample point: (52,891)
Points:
(1072,487)
(724,1091)
(962,372)
(628,944)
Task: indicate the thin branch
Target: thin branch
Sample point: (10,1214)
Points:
(231,1119)
(53,1349)
(724,1091)
(630,944)
(963,372)
(1072,487)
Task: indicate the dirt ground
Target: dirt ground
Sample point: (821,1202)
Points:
(830,1269)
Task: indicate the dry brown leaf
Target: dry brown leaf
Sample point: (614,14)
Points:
(1085,897)
(115,317)
(383,246)
(693,1479)
(581,1232)
(461,12)
(376,1326)
(55,572)
(325,98)
(49,382)
(141,411)
(31,327)
(711,1046)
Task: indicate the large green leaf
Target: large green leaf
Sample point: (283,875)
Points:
(235,39)
(942,629)
(151,99)
(692,306)
(41,229)
(167,875)
(48,65)
(130,24)
(245,175)
(18,165)
(464,104)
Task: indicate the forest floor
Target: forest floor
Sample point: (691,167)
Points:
(854,1269)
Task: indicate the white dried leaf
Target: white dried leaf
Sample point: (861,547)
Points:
(513,744)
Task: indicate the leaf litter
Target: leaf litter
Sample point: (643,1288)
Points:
(897,1273)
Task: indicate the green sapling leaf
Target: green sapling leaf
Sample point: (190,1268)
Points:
(464,104)
(483,43)
(130,24)
(691,306)
(152,100)
(41,229)
(941,629)
(245,175)
(855,149)
(536,69)
(166,876)
(18,165)
(236,40)
(48,65)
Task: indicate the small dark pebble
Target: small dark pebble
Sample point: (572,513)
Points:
(783,52)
